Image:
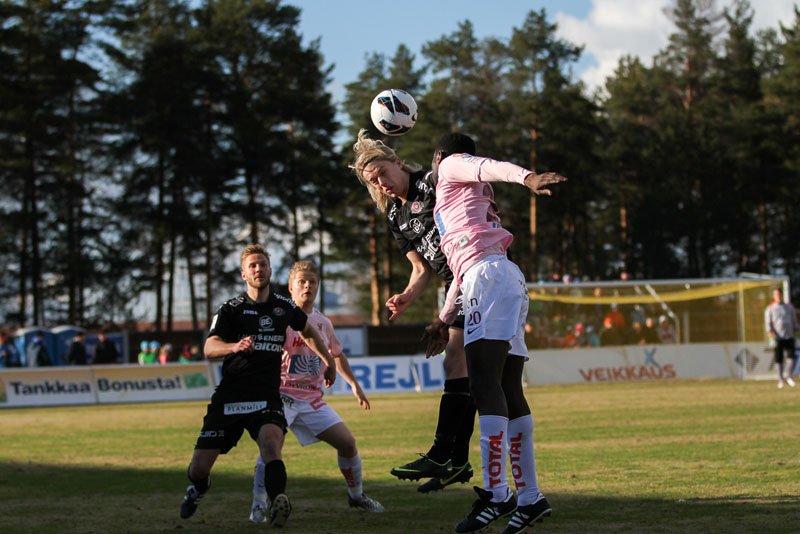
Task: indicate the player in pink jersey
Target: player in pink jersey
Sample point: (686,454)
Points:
(495,301)
(307,415)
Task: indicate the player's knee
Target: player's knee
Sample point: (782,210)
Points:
(347,447)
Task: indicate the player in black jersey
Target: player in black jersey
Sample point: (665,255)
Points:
(407,195)
(248,331)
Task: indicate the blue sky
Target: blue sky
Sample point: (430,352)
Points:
(351,29)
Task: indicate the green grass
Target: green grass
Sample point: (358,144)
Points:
(681,456)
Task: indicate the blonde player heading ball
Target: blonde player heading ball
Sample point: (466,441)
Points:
(307,415)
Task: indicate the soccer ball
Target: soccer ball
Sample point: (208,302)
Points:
(393,111)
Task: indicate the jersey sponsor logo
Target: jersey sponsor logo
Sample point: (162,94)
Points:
(286,300)
(298,341)
(213,322)
(416,226)
(416,206)
(278,311)
(303,364)
(265,323)
(234,408)
(462,242)
(269,347)
(236,301)
(212,434)
(404,226)
(249,312)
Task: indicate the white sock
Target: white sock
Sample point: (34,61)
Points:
(259,488)
(523,463)
(493,455)
(351,471)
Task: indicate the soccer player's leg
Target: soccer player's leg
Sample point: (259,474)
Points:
(532,506)
(268,429)
(486,359)
(455,401)
(219,434)
(340,438)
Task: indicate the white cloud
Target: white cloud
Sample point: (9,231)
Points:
(614,28)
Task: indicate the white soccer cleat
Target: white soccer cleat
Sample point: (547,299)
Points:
(790,381)
(258,513)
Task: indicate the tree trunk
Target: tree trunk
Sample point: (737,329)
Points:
(374,285)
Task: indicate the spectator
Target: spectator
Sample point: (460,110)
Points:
(592,337)
(165,354)
(611,335)
(76,353)
(9,355)
(616,317)
(581,337)
(185,356)
(148,355)
(650,334)
(637,335)
(36,353)
(665,331)
(195,352)
(105,351)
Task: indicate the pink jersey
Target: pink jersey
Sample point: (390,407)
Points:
(301,368)
(467,216)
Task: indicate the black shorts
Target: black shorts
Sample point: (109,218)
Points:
(225,422)
(784,346)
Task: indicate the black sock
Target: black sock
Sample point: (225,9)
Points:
(200,485)
(464,433)
(455,400)
(275,478)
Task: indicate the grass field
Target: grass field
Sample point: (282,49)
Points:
(680,456)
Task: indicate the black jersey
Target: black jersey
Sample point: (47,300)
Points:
(252,375)
(413,226)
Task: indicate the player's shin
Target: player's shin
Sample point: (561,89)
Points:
(521,456)
(275,478)
(494,429)
(351,471)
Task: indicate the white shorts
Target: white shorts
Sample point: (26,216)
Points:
(308,418)
(495,300)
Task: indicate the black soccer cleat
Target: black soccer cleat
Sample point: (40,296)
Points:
(484,511)
(279,510)
(458,474)
(190,502)
(424,467)
(527,515)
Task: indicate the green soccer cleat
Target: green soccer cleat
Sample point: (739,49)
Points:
(424,467)
(458,474)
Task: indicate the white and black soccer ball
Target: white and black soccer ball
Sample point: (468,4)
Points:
(393,111)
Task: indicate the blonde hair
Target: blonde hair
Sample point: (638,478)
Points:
(368,151)
(253,249)
(302,266)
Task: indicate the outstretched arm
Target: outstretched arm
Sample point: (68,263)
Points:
(343,366)
(420,275)
(538,183)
